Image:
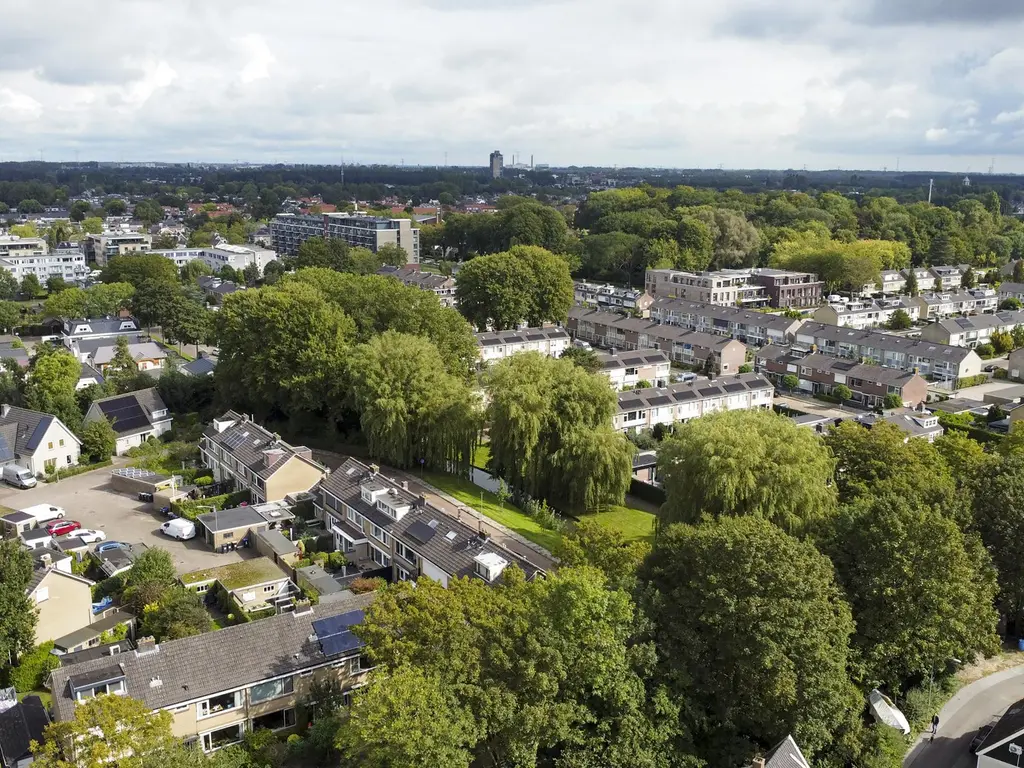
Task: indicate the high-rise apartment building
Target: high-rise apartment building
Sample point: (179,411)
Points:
(290,230)
(99,249)
(497,163)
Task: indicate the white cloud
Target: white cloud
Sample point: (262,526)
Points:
(776,83)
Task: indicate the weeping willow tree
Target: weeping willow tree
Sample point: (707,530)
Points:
(551,435)
(738,463)
(410,409)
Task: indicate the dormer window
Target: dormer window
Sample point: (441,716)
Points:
(106,680)
(489,565)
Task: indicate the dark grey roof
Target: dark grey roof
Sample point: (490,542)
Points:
(644,459)
(20,354)
(873,373)
(88,372)
(632,359)
(322,581)
(883,341)
(20,725)
(487,338)
(200,666)
(1009,727)
(201,366)
(231,519)
(104,651)
(32,425)
(246,441)
(454,543)
(107,325)
(94,630)
(133,413)
(17,517)
(661,332)
(955,405)
(691,390)
(727,314)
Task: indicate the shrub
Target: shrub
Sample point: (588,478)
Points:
(1000,373)
(336,561)
(76,470)
(203,481)
(985,351)
(33,667)
(361,585)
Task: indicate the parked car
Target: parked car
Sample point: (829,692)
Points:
(980,737)
(91,535)
(990,368)
(106,546)
(43,513)
(19,476)
(62,527)
(179,528)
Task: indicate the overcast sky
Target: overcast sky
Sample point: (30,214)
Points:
(938,84)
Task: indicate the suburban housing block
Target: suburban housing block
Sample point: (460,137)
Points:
(644,408)
(220,685)
(497,345)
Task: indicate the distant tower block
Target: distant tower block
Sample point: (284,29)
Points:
(497,163)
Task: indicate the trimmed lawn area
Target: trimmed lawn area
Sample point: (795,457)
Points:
(509,516)
(481,455)
(633,524)
(45,696)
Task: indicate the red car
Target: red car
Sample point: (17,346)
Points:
(62,527)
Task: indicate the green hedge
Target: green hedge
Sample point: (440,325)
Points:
(646,491)
(79,469)
(190,509)
(971,381)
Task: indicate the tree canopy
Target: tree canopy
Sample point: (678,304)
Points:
(736,463)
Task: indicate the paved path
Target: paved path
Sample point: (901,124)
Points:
(972,707)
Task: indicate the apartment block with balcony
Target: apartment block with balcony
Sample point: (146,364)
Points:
(866,314)
(752,328)
(216,257)
(936,361)
(498,345)
(644,408)
(12,246)
(377,522)
(820,374)
(612,297)
(787,289)
(290,230)
(240,450)
(99,249)
(687,347)
(748,288)
(221,685)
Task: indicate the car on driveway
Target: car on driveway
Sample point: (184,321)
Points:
(62,527)
(90,535)
(179,528)
(980,737)
(106,546)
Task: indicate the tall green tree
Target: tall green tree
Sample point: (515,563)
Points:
(30,286)
(17,614)
(153,301)
(108,299)
(281,348)
(542,672)
(68,303)
(99,440)
(921,590)
(999,515)
(122,369)
(392,255)
(137,268)
(8,285)
(752,635)
(410,409)
(106,730)
(188,322)
(51,385)
(736,463)
(330,253)
(551,432)
(524,284)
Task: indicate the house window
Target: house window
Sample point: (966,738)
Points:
(50,445)
(406,554)
(222,737)
(113,687)
(61,443)
(271,690)
(217,704)
(381,535)
(358,665)
(270,588)
(403,574)
(202,588)
(379,557)
(228,535)
(274,721)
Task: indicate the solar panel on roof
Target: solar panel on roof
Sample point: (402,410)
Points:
(660,400)
(421,532)
(125,414)
(686,394)
(710,391)
(340,643)
(535,337)
(737,386)
(631,404)
(234,439)
(332,625)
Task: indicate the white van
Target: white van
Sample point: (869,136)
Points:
(179,528)
(19,476)
(43,513)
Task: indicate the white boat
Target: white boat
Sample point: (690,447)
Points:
(885,712)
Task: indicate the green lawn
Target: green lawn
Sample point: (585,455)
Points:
(45,696)
(509,516)
(481,455)
(633,524)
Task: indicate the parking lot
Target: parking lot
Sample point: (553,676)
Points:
(89,499)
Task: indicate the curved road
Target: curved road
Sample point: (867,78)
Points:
(973,706)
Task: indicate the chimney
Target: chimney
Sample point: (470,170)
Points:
(405,485)
(4,410)
(146,646)
(272,456)
(155,682)
(46,559)
(374,469)
(758,763)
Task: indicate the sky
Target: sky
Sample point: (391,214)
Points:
(857,84)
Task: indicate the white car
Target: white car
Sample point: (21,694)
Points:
(179,528)
(90,536)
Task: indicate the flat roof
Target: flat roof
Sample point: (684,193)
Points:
(256,570)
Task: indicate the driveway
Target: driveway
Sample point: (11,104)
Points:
(975,705)
(89,499)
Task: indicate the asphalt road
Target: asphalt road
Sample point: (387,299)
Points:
(979,703)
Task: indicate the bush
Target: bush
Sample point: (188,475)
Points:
(1000,373)
(33,667)
(985,351)
(971,381)
(190,510)
(361,585)
(75,470)
(336,561)
(203,481)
